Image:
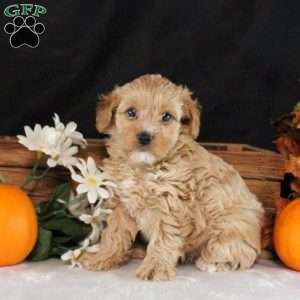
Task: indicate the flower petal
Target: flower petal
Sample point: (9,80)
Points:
(67,255)
(94,236)
(82,188)
(70,127)
(91,166)
(28,131)
(77,252)
(85,243)
(87,219)
(77,178)
(103,193)
(92,196)
(51,162)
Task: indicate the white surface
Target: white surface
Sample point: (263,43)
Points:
(53,280)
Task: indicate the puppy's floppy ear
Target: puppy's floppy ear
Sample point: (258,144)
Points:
(106,108)
(190,121)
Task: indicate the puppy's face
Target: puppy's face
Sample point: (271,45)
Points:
(146,117)
(148,123)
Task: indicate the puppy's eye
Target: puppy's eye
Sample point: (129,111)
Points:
(131,113)
(166,117)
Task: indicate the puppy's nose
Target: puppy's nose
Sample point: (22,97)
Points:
(144,138)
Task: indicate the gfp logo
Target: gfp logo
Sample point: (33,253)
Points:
(24,30)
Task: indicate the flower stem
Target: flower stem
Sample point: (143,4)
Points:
(33,175)
(2,179)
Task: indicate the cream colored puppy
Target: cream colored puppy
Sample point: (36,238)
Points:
(185,201)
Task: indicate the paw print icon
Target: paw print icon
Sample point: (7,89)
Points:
(24,32)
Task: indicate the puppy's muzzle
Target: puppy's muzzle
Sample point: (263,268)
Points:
(144,138)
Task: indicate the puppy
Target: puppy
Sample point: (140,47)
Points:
(185,201)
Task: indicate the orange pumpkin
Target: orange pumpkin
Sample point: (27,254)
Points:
(287,234)
(18,225)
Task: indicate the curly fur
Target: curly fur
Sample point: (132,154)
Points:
(185,201)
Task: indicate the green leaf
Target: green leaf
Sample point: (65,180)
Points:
(70,227)
(53,214)
(62,192)
(42,248)
(61,240)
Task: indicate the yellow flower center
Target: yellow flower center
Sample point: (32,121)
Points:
(92,181)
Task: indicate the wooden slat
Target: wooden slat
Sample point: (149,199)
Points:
(234,147)
(255,165)
(266,191)
(13,154)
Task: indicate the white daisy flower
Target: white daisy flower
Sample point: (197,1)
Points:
(69,131)
(52,142)
(72,256)
(91,180)
(96,220)
(62,154)
(35,139)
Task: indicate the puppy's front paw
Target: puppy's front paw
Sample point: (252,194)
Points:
(96,262)
(152,269)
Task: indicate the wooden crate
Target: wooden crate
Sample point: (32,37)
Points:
(262,169)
